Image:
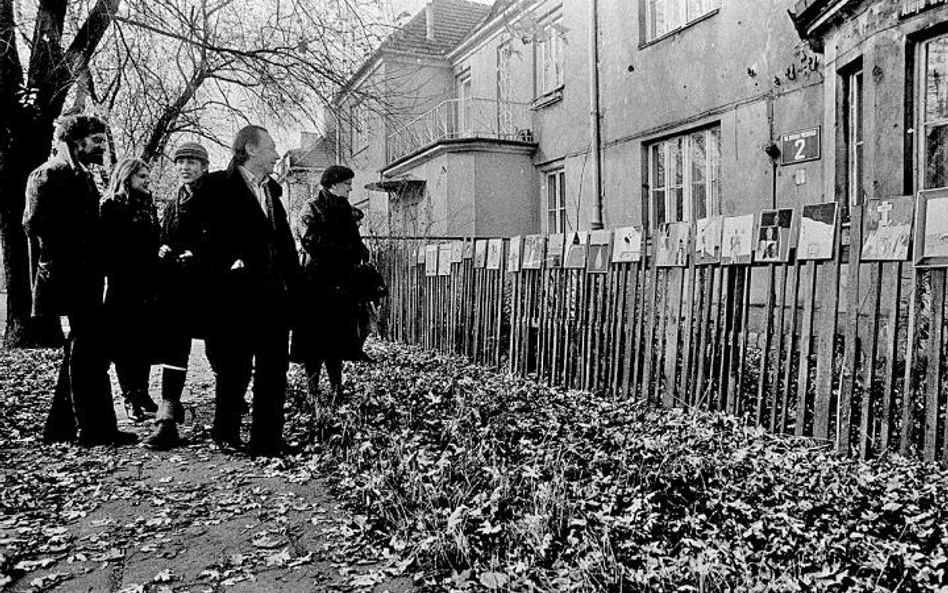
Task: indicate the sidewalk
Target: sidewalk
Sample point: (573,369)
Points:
(192,519)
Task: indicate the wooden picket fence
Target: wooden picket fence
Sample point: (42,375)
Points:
(846,352)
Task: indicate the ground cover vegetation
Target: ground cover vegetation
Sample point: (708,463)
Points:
(483,480)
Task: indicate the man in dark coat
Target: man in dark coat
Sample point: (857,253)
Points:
(62,222)
(181,291)
(251,263)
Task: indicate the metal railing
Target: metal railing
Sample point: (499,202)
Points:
(462,118)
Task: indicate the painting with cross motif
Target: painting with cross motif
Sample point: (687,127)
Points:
(887,229)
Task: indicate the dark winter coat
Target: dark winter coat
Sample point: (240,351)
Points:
(333,250)
(236,228)
(130,241)
(182,288)
(61,219)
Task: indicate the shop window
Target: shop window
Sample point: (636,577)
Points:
(684,176)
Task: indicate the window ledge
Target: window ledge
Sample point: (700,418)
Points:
(550,98)
(671,33)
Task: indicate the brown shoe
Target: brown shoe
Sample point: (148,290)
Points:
(164,437)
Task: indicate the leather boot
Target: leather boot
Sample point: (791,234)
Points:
(164,437)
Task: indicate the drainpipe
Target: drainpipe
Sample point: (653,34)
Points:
(595,143)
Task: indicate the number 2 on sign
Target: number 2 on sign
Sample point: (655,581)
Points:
(800,143)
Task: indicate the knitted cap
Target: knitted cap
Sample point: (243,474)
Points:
(336,174)
(191,150)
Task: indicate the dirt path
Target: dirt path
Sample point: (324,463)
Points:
(192,519)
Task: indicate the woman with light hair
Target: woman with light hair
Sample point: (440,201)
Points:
(130,243)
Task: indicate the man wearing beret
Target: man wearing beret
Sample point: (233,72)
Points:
(181,290)
(250,259)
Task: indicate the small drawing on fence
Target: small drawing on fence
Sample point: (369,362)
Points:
(708,240)
(420,254)
(495,251)
(773,235)
(444,259)
(513,254)
(931,235)
(431,260)
(817,231)
(628,245)
(576,250)
(737,240)
(469,249)
(457,252)
(599,253)
(480,253)
(554,251)
(672,248)
(888,228)
(533,252)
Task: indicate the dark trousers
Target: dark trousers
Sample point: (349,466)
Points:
(132,375)
(261,354)
(83,396)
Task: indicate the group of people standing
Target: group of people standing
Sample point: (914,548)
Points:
(220,263)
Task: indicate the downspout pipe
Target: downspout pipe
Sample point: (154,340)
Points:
(595,142)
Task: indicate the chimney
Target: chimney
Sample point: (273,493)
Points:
(429,21)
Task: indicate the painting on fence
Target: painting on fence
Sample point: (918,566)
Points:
(554,251)
(421,253)
(737,239)
(576,250)
(628,245)
(708,240)
(444,259)
(887,225)
(457,252)
(672,249)
(431,260)
(817,231)
(533,252)
(513,254)
(773,235)
(495,251)
(931,234)
(480,253)
(468,249)
(599,254)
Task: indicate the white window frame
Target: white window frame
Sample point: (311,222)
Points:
(554,188)
(463,88)
(673,192)
(549,70)
(674,15)
(359,127)
(923,124)
(855,140)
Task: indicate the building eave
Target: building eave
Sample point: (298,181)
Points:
(812,18)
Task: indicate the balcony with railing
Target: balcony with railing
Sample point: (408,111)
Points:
(456,119)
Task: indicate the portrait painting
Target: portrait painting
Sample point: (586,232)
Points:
(495,252)
(737,240)
(444,259)
(773,235)
(887,228)
(480,253)
(817,231)
(708,240)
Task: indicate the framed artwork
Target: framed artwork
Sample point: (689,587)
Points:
(576,249)
(708,240)
(431,260)
(773,235)
(554,251)
(457,252)
(495,251)
(444,259)
(600,243)
(671,249)
(421,254)
(533,251)
(817,231)
(513,254)
(469,249)
(480,253)
(931,229)
(887,228)
(737,239)
(628,245)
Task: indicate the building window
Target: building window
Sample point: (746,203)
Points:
(934,113)
(550,56)
(854,137)
(664,16)
(504,84)
(556,201)
(684,176)
(359,128)
(464,113)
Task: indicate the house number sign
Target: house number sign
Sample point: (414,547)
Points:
(800,146)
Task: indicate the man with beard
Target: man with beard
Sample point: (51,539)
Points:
(61,220)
